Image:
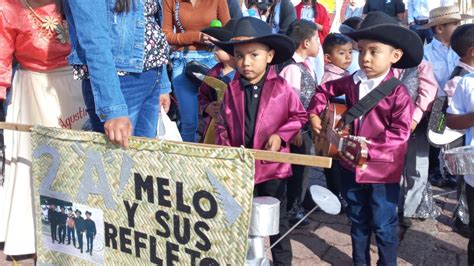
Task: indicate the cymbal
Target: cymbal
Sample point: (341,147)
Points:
(325,199)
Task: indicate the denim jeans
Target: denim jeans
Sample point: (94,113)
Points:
(80,239)
(371,207)
(142,95)
(90,242)
(71,231)
(186,91)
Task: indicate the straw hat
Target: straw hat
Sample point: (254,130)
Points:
(444,15)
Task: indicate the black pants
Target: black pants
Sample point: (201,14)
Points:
(434,161)
(276,188)
(90,242)
(80,240)
(333,177)
(70,231)
(62,233)
(296,182)
(470,206)
(54,229)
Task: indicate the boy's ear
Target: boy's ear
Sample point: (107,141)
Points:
(306,43)
(470,52)
(270,56)
(437,29)
(396,55)
(327,58)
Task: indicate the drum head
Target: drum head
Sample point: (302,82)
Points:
(460,161)
(325,199)
(447,137)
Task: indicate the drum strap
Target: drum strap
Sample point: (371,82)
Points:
(369,101)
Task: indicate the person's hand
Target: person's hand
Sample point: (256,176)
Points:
(165,101)
(319,26)
(298,140)
(414,124)
(315,123)
(206,39)
(118,130)
(212,109)
(274,143)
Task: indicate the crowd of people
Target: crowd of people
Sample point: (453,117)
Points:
(73,226)
(110,65)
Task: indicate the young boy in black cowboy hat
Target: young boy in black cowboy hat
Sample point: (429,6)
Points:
(261,111)
(372,191)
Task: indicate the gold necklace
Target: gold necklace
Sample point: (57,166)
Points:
(51,24)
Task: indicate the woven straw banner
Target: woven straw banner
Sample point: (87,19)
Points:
(156,202)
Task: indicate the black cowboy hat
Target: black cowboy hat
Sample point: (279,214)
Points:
(77,211)
(223,34)
(88,212)
(69,209)
(250,29)
(380,27)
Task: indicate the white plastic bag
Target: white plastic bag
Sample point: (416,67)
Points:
(167,129)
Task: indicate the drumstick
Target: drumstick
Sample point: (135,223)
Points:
(279,157)
(291,229)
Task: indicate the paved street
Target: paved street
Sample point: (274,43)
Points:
(430,242)
(327,241)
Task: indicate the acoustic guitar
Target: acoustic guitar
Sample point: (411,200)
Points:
(338,143)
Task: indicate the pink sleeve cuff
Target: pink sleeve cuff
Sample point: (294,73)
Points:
(418,114)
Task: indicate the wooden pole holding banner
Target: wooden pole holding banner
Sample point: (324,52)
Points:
(280,157)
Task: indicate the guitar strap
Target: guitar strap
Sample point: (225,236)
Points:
(369,101)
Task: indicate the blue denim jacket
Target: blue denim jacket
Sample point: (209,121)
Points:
(107,42)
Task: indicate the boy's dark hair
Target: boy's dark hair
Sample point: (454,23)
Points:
(463,39)
(301,30)
(334,39)
(353,22)
(262,5)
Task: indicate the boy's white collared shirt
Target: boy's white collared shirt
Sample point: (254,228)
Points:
(366,84)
